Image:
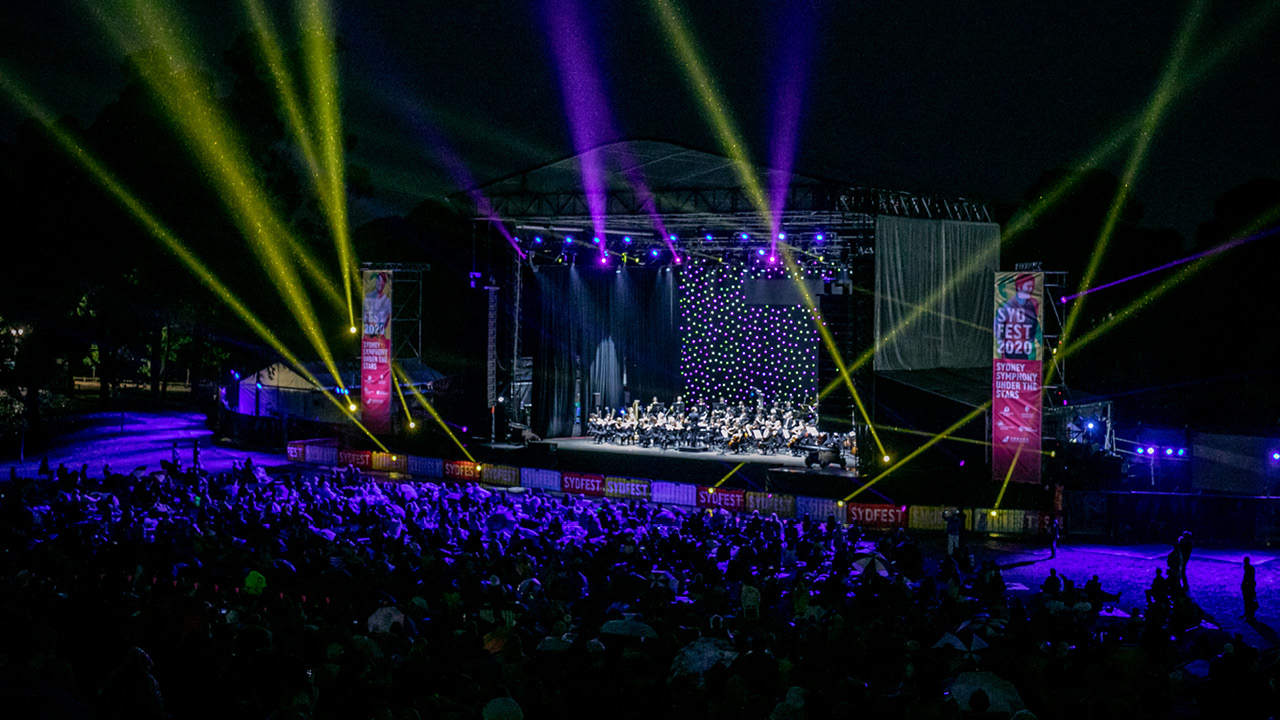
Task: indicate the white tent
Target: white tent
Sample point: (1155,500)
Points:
(279,390)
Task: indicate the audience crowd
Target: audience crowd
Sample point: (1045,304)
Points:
(338,595)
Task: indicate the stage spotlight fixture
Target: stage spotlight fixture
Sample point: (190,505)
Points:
(412,425)
(501,399)
(708,237)
(819,237)
(259,385)
(595,240)
(760,252)
(773,258)
(782,236)
(352,329)
(1168,451)
(604,259)
(1091,426)
(839,503)
(886,458)
(677,259)
(537,239)
(1275,456)
(674,238)
(961,463)
(993,513)
(1182,451)
(626,239)
(653,253)
(568,239)
(745,236)
(352,407)
(1151,451)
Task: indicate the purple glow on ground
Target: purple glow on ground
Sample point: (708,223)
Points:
(131,439)
(585,102)
(1211,251)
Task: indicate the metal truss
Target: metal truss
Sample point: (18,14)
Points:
(904,204)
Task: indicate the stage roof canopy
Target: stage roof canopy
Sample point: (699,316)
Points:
(692,190)
(663,165)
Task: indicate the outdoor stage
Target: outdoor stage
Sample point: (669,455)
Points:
(781,473)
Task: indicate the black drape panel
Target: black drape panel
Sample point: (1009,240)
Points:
(616,331)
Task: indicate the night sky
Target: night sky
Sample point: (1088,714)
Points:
(975,99)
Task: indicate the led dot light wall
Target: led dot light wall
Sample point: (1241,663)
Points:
(731,349)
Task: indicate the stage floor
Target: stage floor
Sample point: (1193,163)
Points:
(782,473)
(586,443)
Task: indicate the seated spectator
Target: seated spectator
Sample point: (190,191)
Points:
(1052,584)
(1096,596)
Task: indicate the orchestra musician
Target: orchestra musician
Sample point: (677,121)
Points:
(779,427)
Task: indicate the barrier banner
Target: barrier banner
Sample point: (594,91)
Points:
(783,505)
(462,470)
(296,450)
(375,353)
(934,517)
(877,516)
(734,500)
(362,459)
(1016,374)
(582,484)
(819,509)
(627,488)
(504,475)
(540,479)
(430,467)
(390,462)
(674,493)
(322,454)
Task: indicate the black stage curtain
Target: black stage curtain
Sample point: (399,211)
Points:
(617,332)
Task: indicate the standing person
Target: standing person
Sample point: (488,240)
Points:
(1249,590)
(955,519)
(1055,532)
(1184,546)
(1158,593)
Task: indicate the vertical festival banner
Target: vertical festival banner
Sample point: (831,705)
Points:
(1016,377)
(375,352)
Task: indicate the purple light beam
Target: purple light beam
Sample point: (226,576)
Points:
(790,83)
(1211,251)
(420,122)
(584,99)
(457,169)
